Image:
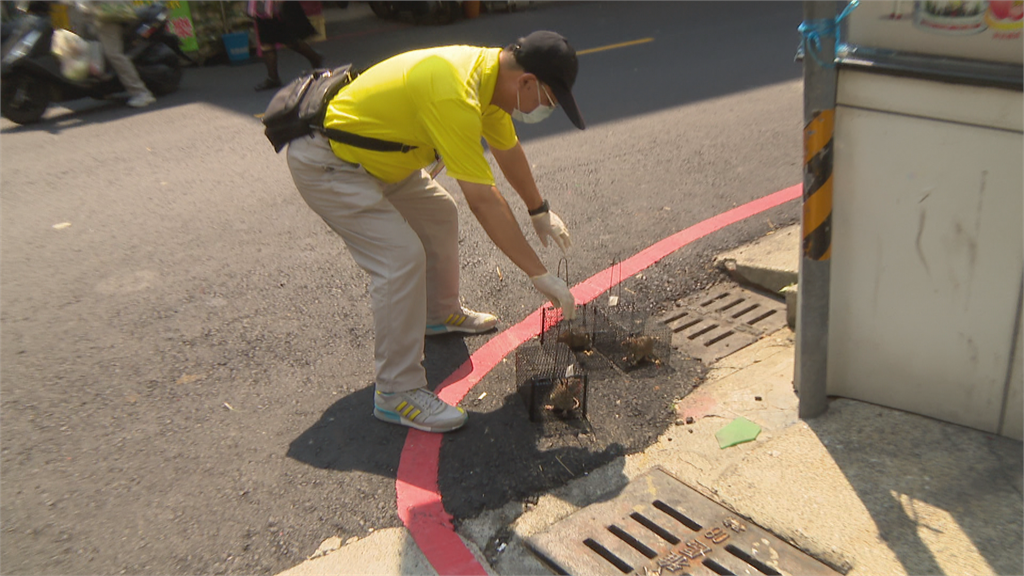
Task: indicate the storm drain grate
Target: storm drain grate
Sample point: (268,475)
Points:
(711,326)
(658,525)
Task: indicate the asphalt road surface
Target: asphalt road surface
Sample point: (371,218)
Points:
(185,353)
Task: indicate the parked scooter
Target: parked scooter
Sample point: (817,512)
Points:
(13,10)
(31,78)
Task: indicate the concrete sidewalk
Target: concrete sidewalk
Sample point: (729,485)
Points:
(863,488)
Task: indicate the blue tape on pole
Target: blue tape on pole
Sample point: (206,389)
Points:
(814,30)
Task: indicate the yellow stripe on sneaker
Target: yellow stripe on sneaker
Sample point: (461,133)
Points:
(400,406)
(407,410)
(414,415)
(455,319)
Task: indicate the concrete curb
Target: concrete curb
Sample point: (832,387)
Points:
(770,263)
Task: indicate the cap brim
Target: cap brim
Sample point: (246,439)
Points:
(568,103)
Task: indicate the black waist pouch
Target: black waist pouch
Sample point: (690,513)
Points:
(298,110)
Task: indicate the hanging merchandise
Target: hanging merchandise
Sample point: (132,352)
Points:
(211,21)
(181,25)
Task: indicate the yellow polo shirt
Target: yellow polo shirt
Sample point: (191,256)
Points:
(436,98)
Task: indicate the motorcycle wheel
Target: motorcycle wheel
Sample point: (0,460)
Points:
(24,99)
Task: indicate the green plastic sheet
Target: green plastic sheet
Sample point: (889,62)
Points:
(736,432)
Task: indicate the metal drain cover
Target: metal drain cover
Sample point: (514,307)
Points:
(712,326)
(658,525)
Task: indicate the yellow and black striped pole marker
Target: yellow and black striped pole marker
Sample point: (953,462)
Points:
(817,218)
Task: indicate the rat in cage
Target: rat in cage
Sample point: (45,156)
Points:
(640,349)
(566,393)
(577,339)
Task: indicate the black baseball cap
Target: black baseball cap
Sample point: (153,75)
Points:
(548,56)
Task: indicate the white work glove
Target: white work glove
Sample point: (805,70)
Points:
(557,292)
(548,224)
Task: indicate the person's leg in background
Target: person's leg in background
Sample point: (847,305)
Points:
(290,28)
(316,59)
(110,36)
(273,79)
(297,28)
(268,32)
(270,60)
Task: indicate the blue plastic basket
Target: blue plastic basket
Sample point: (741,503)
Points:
(237,44)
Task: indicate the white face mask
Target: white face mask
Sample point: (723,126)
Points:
(539,113)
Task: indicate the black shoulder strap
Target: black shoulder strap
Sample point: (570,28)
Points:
(366,142)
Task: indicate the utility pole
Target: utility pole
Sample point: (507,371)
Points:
(819,33)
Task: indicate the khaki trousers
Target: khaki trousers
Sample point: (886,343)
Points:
(404,235)
(110,35)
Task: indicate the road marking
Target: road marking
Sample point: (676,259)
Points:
(614,46)
(417,493)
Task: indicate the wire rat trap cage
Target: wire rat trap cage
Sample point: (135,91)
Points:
(551,382)
(577,334)
(627,336)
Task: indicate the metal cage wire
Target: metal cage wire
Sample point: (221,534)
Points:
(551,382)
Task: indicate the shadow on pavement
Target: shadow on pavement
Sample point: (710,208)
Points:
(922,479)
(502,457)
(348,437)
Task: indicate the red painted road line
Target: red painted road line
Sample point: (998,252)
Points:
(419,500)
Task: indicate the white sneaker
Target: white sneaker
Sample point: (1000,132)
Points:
(141,100)
(468,321)
(420,409)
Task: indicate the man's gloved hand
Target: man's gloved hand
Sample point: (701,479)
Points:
(557,292)
(548,224)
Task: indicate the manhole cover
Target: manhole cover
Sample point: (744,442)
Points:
(658,525)
(711,326)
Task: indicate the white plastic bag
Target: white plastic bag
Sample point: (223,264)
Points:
(78,57)
(73,52)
